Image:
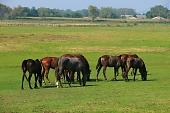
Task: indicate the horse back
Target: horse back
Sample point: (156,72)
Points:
(49,62)
(79,56)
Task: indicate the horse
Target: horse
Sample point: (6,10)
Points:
(108,61)
(47,63)
(33,67)
(84,60)
(123,66)
(136,63)
(73,63)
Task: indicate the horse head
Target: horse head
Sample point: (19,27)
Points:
(143,72)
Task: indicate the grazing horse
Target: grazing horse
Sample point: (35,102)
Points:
(83,59)
(47,63)
(124,58)
(136,63)
(73,63)
(33,67)
(108,61)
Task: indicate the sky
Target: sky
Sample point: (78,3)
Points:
(141,6)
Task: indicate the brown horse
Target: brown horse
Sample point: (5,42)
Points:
(83,59)
(108,61)
(124,58)
(136,63)
(73,63)
(47,63)
(33,67)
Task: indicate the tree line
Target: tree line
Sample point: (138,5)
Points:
(7,12)
(104,12)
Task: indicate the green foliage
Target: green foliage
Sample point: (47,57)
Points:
(33,12)
(107,12)
(93,12)
(20,11)
(158,10)
(4,11)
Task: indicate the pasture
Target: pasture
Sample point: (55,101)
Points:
(149,41)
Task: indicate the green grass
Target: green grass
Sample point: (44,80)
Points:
(149,41)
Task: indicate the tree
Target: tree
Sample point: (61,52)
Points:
(33,12)
(43,12)
(83,12)
(20,12)
(93,12)
(5,11)
(158,10)
(106,12)
(127,11)
(77,15)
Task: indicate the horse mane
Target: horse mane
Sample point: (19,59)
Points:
(143,67)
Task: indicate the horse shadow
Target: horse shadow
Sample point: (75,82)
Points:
(67,86)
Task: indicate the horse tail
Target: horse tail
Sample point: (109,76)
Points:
(42,68)
(98,63)
(24,65)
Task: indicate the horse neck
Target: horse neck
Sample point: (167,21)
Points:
(142,69)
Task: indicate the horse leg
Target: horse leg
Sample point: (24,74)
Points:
(22,87)
(115,73)
(43,72)
(126,73)
(68,77)
(135,71)
(46,75)
(72,76)
(84,77)
(98,70)
(36,76)
(59,80)
(123,71)
(78,75)
(29,80)
(104,72)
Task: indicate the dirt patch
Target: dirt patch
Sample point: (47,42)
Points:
(52,37)
(116,49)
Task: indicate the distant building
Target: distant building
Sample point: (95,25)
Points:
(141,16)
(158,18)
(126,16)
(133,17)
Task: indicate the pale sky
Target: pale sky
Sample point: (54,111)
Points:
(139,5)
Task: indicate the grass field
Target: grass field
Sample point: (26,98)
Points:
(149,41)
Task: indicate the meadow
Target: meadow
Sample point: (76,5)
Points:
(150,41)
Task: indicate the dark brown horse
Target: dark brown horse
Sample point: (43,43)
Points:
(124,58)
(108,61)
(33,67)
(83,59)
(47,63)
(136,63)
(73,63)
